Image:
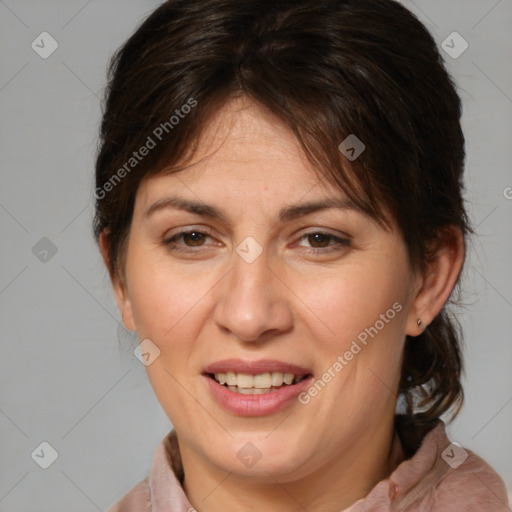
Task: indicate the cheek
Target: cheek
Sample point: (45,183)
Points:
(164,298)
(168,305)
(362,313)
(347,303)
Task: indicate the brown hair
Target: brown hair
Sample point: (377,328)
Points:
(328,69)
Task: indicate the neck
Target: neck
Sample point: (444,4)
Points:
(343,479)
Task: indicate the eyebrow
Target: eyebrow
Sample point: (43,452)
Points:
(286,214)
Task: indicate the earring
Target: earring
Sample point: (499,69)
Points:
(419,322)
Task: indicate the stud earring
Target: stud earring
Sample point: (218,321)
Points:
(419,322)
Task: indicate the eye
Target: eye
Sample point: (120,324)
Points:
(190,238)
(196,238)
(321,242)
(319,239)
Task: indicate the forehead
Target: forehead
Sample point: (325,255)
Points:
(247,161)
(242,125)
(244,145)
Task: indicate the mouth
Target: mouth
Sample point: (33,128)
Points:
(258,384)
(255,387)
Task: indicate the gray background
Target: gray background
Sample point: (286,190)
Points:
(68,375)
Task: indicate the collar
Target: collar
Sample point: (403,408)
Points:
(420,447)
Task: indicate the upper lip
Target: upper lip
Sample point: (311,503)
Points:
(255,367)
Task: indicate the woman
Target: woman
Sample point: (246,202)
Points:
(279,205)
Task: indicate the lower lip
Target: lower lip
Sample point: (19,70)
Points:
(256,405)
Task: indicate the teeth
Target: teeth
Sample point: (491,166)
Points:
(277,379)
(262,381)
(250,391)
(244,381)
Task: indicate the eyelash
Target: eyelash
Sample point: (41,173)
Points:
(340,243)
(170,242)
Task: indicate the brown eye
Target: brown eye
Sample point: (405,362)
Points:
(187,239)
(319,243)
(196,238)
(319,240)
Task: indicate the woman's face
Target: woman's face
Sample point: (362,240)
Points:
(269,282)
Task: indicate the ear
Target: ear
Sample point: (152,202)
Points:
(120,290)
(436,283)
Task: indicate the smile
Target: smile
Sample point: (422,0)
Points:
(259,384)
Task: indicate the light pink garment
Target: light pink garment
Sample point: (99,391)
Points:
(424,481)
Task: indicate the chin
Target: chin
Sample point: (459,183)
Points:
(261,457)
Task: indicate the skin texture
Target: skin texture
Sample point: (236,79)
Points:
(205,303)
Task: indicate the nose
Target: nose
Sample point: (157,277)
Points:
(252,302)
